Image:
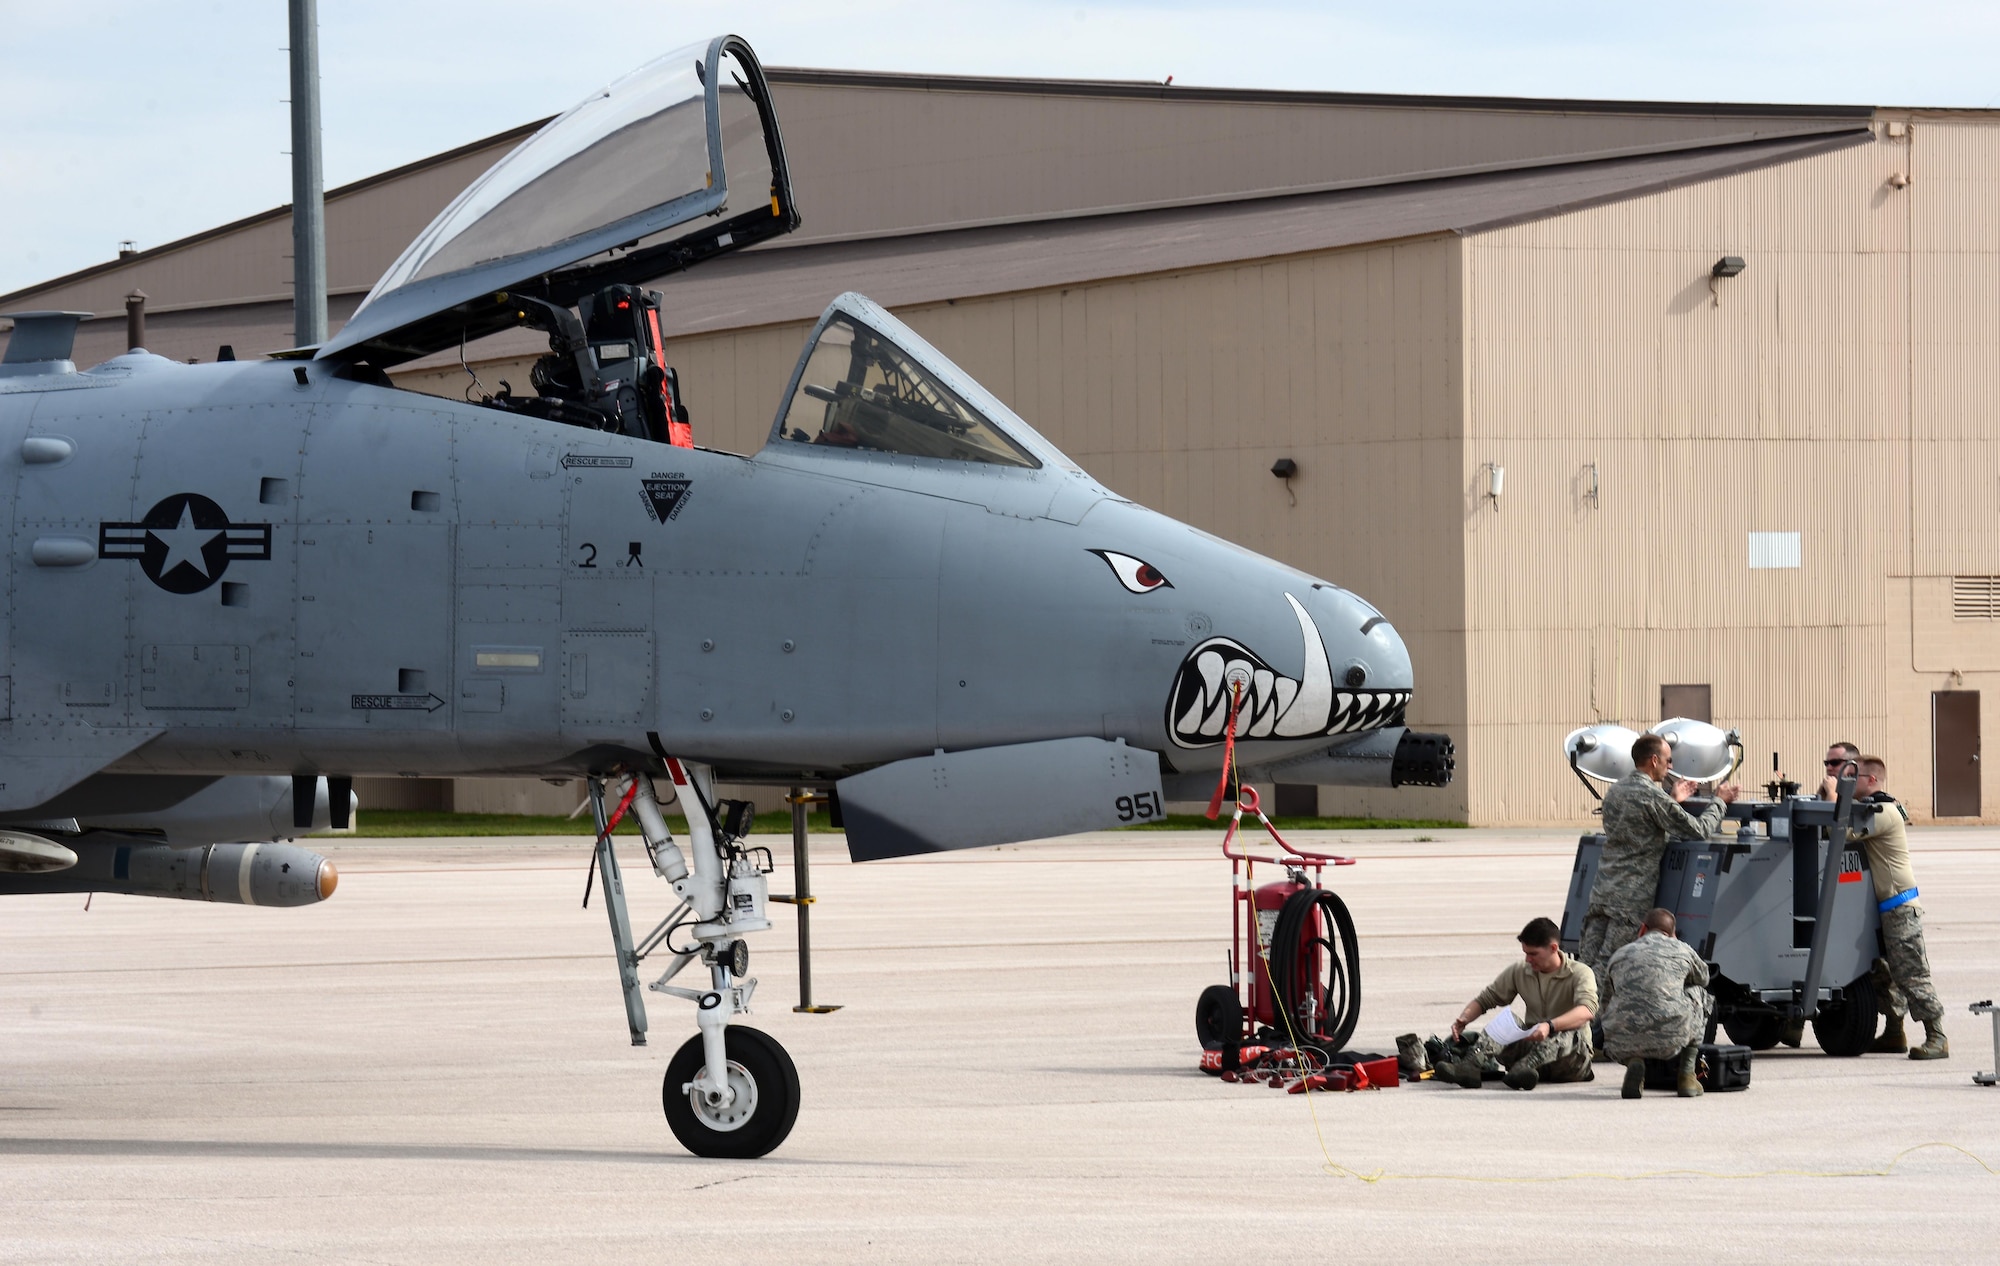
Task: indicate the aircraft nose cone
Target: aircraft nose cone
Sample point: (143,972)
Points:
(1367,651)
(329,879)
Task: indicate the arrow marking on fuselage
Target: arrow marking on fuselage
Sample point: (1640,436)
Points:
(397,703)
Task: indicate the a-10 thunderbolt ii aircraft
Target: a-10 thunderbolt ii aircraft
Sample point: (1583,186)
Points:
(292,569)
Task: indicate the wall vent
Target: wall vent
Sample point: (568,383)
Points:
(1975,597)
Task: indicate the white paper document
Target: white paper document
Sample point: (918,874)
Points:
(1505,1029)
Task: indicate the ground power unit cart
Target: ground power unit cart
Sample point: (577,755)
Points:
(1783,914)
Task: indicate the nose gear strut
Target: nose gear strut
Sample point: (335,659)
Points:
(730,1092)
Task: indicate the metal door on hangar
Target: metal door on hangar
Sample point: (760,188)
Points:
(1955,753)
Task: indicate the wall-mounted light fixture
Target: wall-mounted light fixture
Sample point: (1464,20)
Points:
(1727,266)
(1284,468)
(1496,483)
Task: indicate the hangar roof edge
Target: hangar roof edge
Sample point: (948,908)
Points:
(1139,89)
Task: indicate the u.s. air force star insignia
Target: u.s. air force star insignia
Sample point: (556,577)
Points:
(185,543)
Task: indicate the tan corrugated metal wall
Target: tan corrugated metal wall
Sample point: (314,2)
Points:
(1838,374)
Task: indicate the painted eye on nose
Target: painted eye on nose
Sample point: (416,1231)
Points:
(1135,574)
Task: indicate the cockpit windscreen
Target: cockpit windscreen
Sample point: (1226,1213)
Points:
(860,391)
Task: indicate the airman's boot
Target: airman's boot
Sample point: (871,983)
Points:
(1635,1079)
(1526,1073)
(1935,1046)
(1411,1056)
(1463,1073)
(1892,1041)
(1686,1085)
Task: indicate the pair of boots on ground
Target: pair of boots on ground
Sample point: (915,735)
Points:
(1524,1073)
(1893,1042)
(1458,1061)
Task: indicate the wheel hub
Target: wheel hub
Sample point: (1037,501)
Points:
(737,1112)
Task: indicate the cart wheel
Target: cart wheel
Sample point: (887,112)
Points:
(1758,1030)
(1316,967)
(1218,1016)
(766,1104)
(1848,1029)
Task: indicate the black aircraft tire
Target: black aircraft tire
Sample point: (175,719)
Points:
(1757,1030)
(756,1058)
(1291,944)
(1218,1018)
(1848,1029)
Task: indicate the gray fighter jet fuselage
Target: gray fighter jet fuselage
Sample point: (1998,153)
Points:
(264,567)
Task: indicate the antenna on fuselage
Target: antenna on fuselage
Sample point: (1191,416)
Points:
(308,200)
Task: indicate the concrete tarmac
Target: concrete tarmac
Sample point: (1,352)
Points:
(433,1067)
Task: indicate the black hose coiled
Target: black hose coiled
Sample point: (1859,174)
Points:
(1298,938)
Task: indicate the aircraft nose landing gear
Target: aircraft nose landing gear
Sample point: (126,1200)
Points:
(749,1121)
(730,1093)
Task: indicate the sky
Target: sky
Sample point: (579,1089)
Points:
(151,121)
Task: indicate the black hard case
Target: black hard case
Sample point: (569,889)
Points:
(1720,1067)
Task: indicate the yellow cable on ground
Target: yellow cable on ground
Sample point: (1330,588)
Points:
(1335,1169)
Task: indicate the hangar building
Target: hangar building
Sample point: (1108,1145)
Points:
(1589,469)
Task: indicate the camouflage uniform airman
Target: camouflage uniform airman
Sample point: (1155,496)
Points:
(1563,1056)
(1903,974)
(1656,999)
(1639,819)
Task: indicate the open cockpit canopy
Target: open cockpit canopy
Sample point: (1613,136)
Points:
(676,162)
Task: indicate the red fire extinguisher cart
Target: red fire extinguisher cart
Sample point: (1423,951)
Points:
(1294,965)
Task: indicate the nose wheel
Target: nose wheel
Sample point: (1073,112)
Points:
(757,1114)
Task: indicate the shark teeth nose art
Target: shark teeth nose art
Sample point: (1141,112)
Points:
(1273,705)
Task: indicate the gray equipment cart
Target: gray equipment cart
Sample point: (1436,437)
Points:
(1787,925)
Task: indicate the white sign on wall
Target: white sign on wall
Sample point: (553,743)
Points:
(1773,549)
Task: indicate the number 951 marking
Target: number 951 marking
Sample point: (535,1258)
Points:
(1143,807)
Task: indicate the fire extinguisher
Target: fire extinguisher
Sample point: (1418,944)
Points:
(1270,900)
